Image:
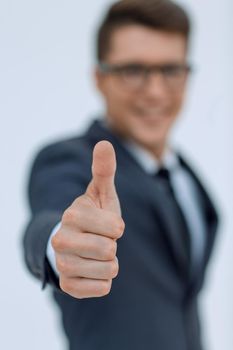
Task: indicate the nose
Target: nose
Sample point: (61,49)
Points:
(155,85)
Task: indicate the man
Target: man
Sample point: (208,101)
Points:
(136,290)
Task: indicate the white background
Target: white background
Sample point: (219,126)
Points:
(46,91)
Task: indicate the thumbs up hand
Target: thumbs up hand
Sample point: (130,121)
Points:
(85,246)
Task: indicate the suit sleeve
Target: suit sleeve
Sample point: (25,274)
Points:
(59,174)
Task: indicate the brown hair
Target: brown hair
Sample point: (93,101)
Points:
(158,14)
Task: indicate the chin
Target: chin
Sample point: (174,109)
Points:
(150,142)
(151,136)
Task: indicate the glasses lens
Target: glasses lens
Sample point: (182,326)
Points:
(133,75)
(174,75)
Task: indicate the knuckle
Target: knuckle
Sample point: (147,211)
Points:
(119,227)
(69,216)
(114,268)
(61,265)
(57,242)
(110,250)
(77,201)
(65,285)
(68,286)
(105,287)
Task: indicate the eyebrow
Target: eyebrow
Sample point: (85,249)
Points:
(140,63)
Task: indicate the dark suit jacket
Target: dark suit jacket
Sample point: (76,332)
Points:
(153,300)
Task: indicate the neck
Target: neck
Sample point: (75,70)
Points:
(156,151)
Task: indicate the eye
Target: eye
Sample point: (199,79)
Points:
(132,71)
(174,70)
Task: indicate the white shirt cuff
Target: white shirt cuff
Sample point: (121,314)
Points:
(50,251)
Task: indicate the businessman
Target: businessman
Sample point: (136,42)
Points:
(121,226)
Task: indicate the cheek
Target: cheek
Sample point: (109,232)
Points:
(177,103)
(119,101)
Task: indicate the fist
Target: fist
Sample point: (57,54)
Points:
(86,244)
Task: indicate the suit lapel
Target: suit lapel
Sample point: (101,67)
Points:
(170,227)
(211,221)
(165,216)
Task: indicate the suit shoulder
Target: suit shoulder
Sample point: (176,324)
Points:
(77,148)
(71,145)
(64,156)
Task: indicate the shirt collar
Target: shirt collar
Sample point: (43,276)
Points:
(148,162)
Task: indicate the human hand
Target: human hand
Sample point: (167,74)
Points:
(85,245)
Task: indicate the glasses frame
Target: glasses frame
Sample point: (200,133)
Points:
(174,74)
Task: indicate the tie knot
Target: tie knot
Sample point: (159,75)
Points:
(163,173)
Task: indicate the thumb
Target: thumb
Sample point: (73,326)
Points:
(104,167)
(103,172)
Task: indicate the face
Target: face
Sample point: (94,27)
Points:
(145,114)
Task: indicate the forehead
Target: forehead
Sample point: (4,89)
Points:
(138,43)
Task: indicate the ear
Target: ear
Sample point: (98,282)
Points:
(99,79)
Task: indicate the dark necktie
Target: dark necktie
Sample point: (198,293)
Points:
(163,176)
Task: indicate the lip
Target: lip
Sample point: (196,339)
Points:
(156,110)
(152,115)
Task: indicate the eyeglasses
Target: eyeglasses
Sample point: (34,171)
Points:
(135,76)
